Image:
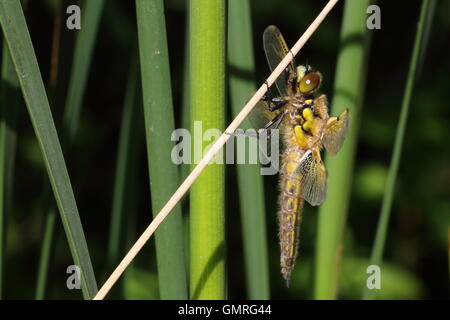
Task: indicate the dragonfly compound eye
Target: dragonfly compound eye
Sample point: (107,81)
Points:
(310,83)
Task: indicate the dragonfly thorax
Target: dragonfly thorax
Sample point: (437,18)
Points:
(301,114)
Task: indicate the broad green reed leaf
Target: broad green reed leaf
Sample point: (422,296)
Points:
(241,68)
(349,88)
(207,102)
(159,125)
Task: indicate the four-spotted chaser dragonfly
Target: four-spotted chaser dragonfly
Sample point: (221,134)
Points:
(301,114)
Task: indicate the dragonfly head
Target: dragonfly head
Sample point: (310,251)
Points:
(308,80)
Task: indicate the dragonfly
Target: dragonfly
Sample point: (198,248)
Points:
(301,115)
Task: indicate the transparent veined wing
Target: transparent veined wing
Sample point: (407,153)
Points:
(262,123)
(260,116)
(276,49)
(335,132)
(262,120)
(313,178)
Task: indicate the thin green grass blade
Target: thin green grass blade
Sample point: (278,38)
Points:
(84,46)
(49,205)
(159,125)
(126,159)
(124,211)
(349,88)
(241,68)
(10,102)
(420,45)
(131,218)
(46,251)
(207,93)
(21,49)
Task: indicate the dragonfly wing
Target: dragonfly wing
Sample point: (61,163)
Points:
(262,122)
(260,115)
(335,132)
(276,49)
(313,178)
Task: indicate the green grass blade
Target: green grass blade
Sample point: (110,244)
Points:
(50,207)
(348,93)
(90,15)
(46,250)
(83,54)
(10,102)
(21,49)
(423,27)
(126,159)
(207,93)
(131,217)
(241,67)
(127,169)
(159,125)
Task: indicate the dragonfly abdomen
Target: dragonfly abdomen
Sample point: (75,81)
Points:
(289,216)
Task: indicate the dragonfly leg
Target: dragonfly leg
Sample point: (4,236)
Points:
(277,124)
(269,97)
(274,103)
(271,122)
(276,120)
(266,126)
(273,100)
(277,106)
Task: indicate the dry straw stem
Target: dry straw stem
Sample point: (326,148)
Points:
(184,187)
